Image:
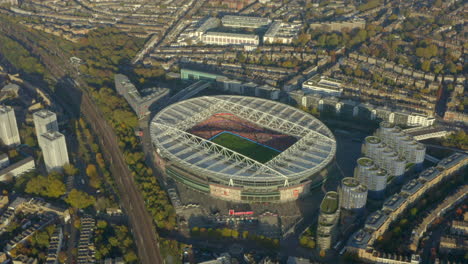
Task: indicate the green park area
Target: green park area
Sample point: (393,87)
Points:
(245,147)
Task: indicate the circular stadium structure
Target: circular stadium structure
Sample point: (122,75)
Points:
(243,149)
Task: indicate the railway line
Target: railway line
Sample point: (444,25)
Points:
(75,101)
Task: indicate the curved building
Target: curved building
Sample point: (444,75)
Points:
(242,149)
(328,218)
(365,169)
(353,194)
(372,146)
(377,183)
(369,173)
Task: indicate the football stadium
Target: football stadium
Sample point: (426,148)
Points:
(242,149)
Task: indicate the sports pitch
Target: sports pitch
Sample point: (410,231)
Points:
(245,147)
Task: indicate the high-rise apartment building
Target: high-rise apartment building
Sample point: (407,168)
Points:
(45,121)
(328,219)
(8,127)
(369,173)
(54,149)
(353,194)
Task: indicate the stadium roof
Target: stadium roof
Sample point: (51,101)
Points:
(315,148)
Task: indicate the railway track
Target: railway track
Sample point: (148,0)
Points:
(76,101)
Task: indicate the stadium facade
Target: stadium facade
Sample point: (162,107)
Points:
(193,145)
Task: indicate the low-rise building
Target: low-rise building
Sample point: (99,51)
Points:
(282,33)
(224,38)
(17,169)
(142,102)
(245,21)
(323,86)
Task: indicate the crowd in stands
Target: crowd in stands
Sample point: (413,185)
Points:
(226,122)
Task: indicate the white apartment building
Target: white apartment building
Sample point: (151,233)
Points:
(17,169)
(54,149)
(223,38)
(353,194)
(8,127)
(45,121)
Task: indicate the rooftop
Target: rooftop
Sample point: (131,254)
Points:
(452,160)
(376,219)
(386,124)
(44,113)
(373,140)
(394,202)
(429,174)
(350,182)
(52,135)
(5,109)
(366,162)
(329,203)
(360,239)
(412,187)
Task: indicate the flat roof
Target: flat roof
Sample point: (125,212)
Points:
(44,113)
(394,202)
(376,220)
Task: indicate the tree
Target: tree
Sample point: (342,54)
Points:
(46,186)
(426,65)
(79,199)
(130,257)
(13,153)
(70,170)
(101,224)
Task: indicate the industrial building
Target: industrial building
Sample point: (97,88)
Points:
(328,219)
(142,102)
(245,21)
(8,127)
(54,149)
(307,148)
(353,194)
(225,38)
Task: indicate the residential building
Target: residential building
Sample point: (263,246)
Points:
(328,219)
(8,127)
(85,242)
(339,25)
(322,85)
(223,38)
(245,21)
(4,161)
(45,121)
(55,245)
(142,102)
(372,176)
(282,33)
(54,149)
(17,169)
(353,194)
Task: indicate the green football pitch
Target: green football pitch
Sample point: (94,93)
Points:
(245,147)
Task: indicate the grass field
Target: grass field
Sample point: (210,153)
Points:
(245,147)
